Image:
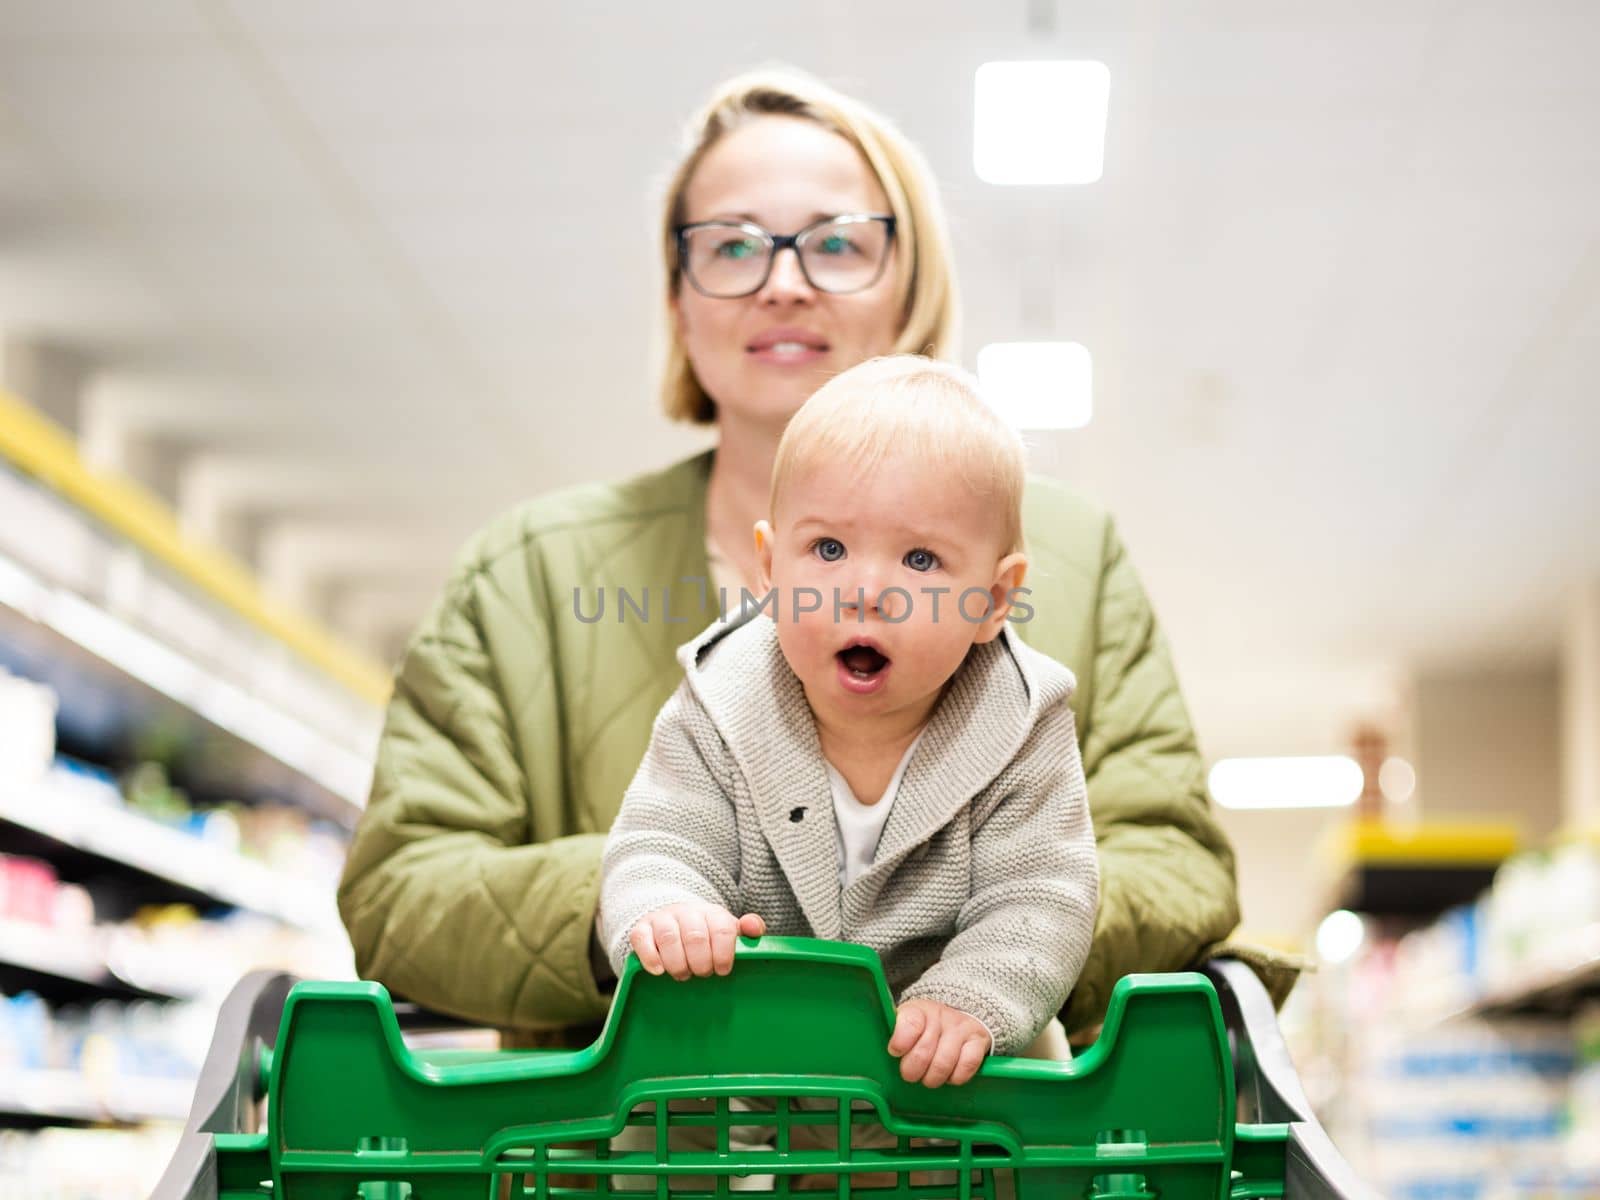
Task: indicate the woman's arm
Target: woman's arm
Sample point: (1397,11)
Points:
(445,900)
(1167,886)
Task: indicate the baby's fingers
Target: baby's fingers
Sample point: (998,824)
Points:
(945,1057)
(724,932)
(973,1051)
(914,1066)
(644,945)
(909,1022)
(752,925)
(668,935)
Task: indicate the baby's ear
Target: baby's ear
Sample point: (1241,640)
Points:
(763,536)
(1008,577)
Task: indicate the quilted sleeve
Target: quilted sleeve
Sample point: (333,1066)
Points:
(446,898)
(1167,886)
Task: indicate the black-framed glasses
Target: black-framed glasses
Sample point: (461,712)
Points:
(728,259)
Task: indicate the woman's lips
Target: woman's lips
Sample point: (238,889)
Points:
(787,348)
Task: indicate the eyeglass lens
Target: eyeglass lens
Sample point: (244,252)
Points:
(843,255)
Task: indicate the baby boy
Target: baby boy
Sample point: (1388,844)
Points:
(872,753)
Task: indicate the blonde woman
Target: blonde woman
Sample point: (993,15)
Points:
(801,235)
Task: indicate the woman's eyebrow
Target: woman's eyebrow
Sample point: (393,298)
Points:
(752,219)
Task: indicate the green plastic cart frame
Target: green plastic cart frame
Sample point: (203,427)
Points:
(1188,1092)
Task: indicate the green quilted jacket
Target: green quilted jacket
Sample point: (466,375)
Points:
(517,724)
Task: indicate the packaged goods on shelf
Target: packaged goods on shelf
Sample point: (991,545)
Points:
(109,1164)
(1467,1108)
(1470,1061)
(1583,1132)
(271,859)
(1541,917)
(106,1061)
(28,722)
(172,951)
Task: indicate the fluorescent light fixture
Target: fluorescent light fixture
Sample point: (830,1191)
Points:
(1339,936)
(1040,122)
(1038,385)
(1328,782)
(1397,779)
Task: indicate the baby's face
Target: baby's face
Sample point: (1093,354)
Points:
(843,544)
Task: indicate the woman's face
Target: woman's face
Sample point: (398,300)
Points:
(760,356)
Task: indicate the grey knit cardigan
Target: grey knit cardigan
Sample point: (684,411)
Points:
(983,890)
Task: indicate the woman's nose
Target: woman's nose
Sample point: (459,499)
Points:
(786,282)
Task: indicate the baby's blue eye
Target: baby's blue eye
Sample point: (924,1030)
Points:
(830,549)
(921,560)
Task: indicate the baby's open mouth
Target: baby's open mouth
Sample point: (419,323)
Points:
(862,661)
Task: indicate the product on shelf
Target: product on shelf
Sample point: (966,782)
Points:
(1466,1067)
(28,721)
(108,1164)
(1542,917)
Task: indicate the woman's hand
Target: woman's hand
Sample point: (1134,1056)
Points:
(695,938)
(937,1044)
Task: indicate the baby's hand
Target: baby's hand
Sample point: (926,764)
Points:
(695,938)
(937,1044)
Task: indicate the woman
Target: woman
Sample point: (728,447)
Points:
(802,235)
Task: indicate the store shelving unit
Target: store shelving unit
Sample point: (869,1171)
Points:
(154,645)
(1562,977)
(67,1098)
(1415,871)
(1461,1032)
(196,872)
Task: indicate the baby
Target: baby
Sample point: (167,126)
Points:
(873,754)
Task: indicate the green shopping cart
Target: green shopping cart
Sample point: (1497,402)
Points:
(1188,1092)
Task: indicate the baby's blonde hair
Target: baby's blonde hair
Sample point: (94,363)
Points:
(904,404)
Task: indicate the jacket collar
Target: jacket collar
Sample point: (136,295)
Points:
(738,671)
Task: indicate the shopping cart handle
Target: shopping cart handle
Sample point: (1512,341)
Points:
(232,1081)
(1148,1110)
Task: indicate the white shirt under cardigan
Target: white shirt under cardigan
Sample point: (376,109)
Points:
(861,825)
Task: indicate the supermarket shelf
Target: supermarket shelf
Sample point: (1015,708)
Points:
(1415,871)
(114,681)
(45,451)
(67,1097)
(1555,980)
(127,838)
(64,965)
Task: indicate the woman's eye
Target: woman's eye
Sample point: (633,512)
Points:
(829,550)
(835,244)
(736,248)
(922,560)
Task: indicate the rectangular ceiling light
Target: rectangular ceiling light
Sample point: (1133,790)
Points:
(1312,782)
(1038,385)
(1040,122)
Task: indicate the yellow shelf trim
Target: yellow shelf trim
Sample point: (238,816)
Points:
(1437,843)
(42,449)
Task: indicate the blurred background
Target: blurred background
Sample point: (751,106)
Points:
(296,295)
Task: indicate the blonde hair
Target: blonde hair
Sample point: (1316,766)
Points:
(922,257)
(907,405)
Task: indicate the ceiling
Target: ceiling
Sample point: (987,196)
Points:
(367,273)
